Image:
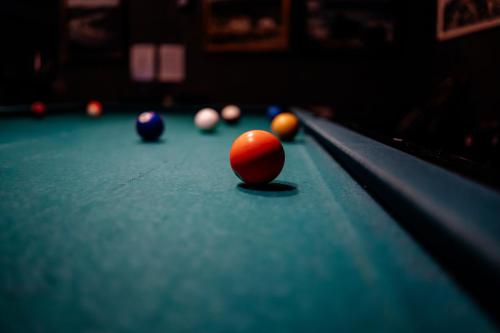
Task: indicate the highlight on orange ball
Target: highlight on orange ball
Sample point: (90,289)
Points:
(257,157)
(285,126)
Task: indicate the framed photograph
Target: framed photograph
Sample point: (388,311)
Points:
(94,30)
(246,25)
(358,24)
(461,17)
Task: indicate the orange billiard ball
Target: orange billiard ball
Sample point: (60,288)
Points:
(94,109)
(257,157)
(38,109)
(285,126)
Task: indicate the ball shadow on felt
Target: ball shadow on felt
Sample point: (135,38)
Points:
(273,189)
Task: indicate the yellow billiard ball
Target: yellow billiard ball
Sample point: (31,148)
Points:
(285,125)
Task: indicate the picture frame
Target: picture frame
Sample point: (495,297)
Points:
(94,31)
(246,25)
(457,18)
(360,25)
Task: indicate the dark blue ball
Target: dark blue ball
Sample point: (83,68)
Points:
(149,125)
(273,111)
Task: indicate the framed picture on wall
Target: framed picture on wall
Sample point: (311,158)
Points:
(246,25)
(353,25)
(94,30)
(461,17)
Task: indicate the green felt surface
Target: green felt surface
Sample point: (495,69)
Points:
(100,232)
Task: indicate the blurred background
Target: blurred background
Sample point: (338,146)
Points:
(420,75)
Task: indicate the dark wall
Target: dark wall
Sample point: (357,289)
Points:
(373,83)
(475,60)
(27,27)
(297,76)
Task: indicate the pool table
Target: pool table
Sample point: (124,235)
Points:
(102,232)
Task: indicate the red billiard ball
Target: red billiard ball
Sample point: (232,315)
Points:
(94,109)
(38,109)
(257,157)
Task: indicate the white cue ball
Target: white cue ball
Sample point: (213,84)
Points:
(231,113)
(206,119)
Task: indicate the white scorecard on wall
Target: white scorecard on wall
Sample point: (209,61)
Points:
(172,68)
(142,62)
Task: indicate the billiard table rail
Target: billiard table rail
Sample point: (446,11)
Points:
(454,218)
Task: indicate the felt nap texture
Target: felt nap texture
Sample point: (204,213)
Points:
(101,232)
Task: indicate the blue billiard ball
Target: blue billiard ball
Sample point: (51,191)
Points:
(149,125)
(273,111)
